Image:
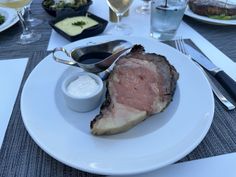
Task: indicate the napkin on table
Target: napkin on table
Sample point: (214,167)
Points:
(218,166)
(11,74)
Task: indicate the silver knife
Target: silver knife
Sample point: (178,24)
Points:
(218,93)
(226,81)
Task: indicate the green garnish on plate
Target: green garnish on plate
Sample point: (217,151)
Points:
(2,19)
(79,23)
(223,17)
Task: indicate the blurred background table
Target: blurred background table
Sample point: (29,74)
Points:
(220,36)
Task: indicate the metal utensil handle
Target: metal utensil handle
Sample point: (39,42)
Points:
(218,94)
(60,60)
(180,45)
(104,75)
(228,105)
(227,82)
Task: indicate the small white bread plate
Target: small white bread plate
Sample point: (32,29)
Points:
(158,141)
(10,18)
(208,20)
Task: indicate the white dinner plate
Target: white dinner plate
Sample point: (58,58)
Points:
(208,20)
(158,141)
(10,18)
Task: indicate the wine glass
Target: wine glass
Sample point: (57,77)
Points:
(27,35)
(144,8)
(120,7)
(32,21)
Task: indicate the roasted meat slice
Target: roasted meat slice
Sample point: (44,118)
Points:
(141,84)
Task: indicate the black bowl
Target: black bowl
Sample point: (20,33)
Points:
(89,32)
(61,12)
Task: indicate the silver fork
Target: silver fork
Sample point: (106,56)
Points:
(179,44)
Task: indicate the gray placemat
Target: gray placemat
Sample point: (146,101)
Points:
(21,157)
(221,36)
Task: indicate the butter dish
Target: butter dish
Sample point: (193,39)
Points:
(90,31)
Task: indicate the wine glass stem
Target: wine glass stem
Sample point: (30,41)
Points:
(28,15)
(145,4)
(118,19)
(26,30)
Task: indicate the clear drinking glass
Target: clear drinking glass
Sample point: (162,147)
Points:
(166,16)
(120,7)
(32,21)
(144,8)
(27,35)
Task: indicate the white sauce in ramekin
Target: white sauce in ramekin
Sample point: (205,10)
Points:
(83,86)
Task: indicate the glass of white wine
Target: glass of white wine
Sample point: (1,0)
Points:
(27,35)
(120,7)
(144,8)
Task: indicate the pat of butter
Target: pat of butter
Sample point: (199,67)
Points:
(67,26)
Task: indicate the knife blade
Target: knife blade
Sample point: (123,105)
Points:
(202,60)
(226,81)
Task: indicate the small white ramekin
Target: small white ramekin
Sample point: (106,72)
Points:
(84,104)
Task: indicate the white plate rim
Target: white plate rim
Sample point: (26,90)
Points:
(208,20)
(10,20)
(133,171)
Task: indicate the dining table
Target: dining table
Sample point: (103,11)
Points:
(21,156)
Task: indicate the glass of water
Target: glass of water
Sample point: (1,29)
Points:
(166,16)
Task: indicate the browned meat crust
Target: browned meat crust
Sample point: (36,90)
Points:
(167,77)
(212,7)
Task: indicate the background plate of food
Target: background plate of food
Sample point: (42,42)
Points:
(218,12)
(62,7)
(8,17)
(160,140)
